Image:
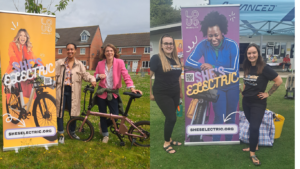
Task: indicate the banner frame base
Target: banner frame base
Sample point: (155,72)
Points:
(211,143)
(22,147)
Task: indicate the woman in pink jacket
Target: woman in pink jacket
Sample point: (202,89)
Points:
(109,70)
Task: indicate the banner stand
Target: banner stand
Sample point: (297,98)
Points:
(27,50)
(16,149)
(210,37)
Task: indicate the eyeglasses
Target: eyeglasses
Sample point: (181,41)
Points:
(168,44)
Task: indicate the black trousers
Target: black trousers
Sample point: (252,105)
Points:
(254,113)
(168,104)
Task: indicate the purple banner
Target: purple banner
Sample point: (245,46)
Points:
(211,55)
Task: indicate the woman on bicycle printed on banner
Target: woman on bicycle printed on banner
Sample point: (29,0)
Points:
(109,70)
(166,67)
(218,52)
(69,74)
(20,50)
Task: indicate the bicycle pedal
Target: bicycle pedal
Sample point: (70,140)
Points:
(133,141)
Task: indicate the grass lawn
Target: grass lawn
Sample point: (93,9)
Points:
(281,155)
(93,154)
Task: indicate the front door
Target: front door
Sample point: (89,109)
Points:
(134,65)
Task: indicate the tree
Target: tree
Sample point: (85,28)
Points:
(162,12)
(34,6)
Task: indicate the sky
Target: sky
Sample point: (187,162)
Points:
(113,16)
(184,3)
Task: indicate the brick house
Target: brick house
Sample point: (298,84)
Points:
(134,49)
(88,40)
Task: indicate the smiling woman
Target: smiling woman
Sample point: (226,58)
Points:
(69,74)
(109,70)
(256,77)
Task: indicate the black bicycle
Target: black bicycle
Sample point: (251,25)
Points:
(202,108)
(43,106)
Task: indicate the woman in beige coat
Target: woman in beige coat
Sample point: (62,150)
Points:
(69,74)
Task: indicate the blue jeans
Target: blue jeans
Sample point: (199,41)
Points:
(113,108)
(66,100)
(226,104)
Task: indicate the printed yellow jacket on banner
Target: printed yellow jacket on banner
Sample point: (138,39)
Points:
(78,73)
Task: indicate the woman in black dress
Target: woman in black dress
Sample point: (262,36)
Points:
(166,67)
(256,77)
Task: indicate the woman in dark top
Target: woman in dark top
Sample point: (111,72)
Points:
(166,67)
(256,77)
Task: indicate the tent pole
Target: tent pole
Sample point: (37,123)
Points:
(260,46)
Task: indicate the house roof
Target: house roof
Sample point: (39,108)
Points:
(130,39)
(131,57)
(72,35)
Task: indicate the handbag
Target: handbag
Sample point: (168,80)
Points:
(266,129)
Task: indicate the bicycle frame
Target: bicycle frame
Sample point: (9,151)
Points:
(29,103)
(34,88)
(123,128)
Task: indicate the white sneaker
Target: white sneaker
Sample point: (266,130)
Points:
(105,139)
(61,139)
(282,69)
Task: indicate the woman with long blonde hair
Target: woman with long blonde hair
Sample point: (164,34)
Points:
(20,49)
(166,67)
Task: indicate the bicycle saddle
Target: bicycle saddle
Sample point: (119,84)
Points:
(133,94)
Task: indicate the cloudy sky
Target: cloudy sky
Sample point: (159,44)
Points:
(113,16)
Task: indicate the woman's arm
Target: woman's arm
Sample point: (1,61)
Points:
(277,83)
(87,76)
(192,60)
(180,86)
(151,94)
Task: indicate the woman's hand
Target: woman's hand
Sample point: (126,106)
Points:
(152,97)
(206,66)
(262,95)
(102,76)
(136,91)
(94,84)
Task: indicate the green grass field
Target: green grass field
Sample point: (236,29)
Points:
(93,154)
(280,156)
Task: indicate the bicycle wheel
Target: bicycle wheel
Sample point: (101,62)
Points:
(144,126)
(87,131)
(13,108)
(43,112)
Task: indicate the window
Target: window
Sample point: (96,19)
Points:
(83,62)
(147,50)
(282,50)
(146,64)
(83,37)
(59,51)
(120,50)
(134,50)
(128,63)
(82,51)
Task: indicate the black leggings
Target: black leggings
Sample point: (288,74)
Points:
(168,104)
(254,113)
